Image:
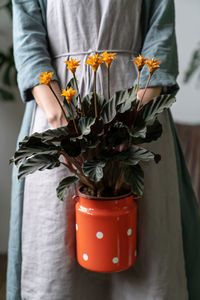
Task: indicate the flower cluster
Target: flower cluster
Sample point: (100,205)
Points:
(45,78)
(152,64)
(68,94)
(72,64)
(94,61)
(108,58)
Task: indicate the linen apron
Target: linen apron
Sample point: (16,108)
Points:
(49,267)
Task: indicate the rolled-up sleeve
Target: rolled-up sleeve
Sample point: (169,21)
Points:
(160,42)
(31,51)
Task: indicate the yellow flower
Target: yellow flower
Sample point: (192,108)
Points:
(153,64)
(68,94)
(139,61)
(94,61)
(72,64)
(45,78)
(108,58)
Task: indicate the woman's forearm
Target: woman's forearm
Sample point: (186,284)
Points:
(150,94)
(47,102)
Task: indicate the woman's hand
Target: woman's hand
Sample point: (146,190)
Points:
(151,93)
(47,102)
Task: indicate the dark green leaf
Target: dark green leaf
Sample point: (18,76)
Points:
(138,132)
(50,135)
(64,185)
(88,104)
(93,169)
(134,176)
(73,149)
(32,146)
(38,162)
(153,132)
(120,102)
(85,124)
(126,105)
(117,134)
(133,155)
(151,109)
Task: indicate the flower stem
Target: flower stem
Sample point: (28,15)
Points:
(95,95)
(119,181)
(138,80)
(73,118)
(144,91)
(59,103)
(82,177)
(108,82)
(79,97)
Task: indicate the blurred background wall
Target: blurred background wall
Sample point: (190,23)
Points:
(11,113)
(187,107)
(185,110)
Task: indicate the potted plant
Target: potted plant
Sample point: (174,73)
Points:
(102,148)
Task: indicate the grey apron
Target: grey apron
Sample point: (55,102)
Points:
(49,267)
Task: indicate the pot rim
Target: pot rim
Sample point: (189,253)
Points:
(106,198)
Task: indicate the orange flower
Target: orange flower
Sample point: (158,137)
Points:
(108,58)
(72,64)
(153,64)
(139,61)
(68,94)
(45,78)
(94,61)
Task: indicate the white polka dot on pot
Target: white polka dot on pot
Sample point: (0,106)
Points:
(85,256)
(115,260)
(99,235)
(129,231)
(76,226)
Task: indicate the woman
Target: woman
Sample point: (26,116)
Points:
(42,261)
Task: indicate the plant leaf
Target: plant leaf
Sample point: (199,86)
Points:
(111,107)
(38,162)
(152,108)
(93,169)
(133,155)
(50,135)
(153,132)
(61,190)
(32,146)
(134,176)
(72,148)
(88,104)
(85,124)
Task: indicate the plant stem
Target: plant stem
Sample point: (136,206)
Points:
(138,80)
(109,82)
(73,118)
(82,177)
(119,181)
(59,103)
(95,95)
(144,91)
(79,97)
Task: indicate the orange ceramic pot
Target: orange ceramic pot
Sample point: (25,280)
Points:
(106,232)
